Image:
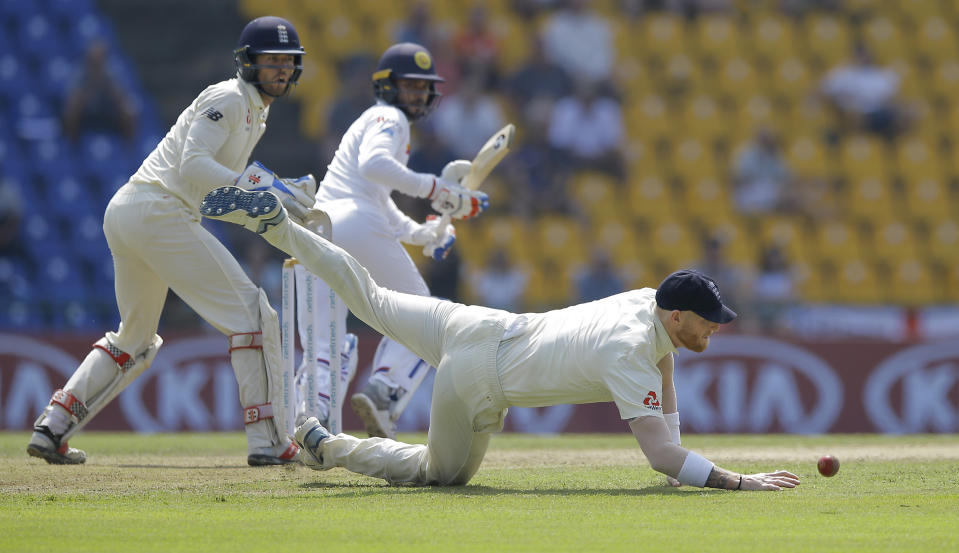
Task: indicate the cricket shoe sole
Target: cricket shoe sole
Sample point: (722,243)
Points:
(256,210)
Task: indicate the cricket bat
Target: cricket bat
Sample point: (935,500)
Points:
(489,157)
(483,164)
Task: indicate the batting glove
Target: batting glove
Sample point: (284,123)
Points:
(297,195)
(452,199)
(436,240)
(456,170)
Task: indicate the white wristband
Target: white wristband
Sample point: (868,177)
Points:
(695,471)
(672,422)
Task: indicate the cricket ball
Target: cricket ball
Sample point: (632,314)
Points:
(828,465)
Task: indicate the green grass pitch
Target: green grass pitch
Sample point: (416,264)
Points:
(194,492)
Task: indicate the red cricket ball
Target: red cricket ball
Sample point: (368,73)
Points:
(828,465)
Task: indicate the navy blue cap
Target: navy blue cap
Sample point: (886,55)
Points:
(690,290)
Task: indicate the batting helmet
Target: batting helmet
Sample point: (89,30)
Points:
(406,60)
(267,35)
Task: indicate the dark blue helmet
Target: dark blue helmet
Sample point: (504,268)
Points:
(267,35)
(406,60)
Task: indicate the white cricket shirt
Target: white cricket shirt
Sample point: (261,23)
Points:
(210,143)
(370,163)
(605,350)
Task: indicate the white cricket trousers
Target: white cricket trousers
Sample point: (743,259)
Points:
(158,244)
(460,341)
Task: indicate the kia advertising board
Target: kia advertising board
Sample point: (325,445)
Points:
(740,384)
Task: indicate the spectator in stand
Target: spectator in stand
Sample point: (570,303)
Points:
(599,279)
(535,167)
(580,41)
(866,96)
(466,120)
(773,290)
(733,280)
(500,284)
(477,47)
(762,179)
(588,128)
(538,78)
(97,101)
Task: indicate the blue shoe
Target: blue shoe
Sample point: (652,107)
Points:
(310,436)
(256,210)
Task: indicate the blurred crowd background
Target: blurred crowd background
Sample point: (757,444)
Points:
(801,152)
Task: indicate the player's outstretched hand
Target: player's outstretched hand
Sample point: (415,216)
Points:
(673,482)
(770,481)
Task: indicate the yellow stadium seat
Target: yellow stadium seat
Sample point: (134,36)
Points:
(807,156)
(935,39)
(681,73)
(663,35)
(893,241)
(749,115)
(739,246)
(703,118)
(737,78)
(559,237)
(917,159)
(945,79)
(673,244)
(618,237)
(649,119)
(651,200)
(918,11)
(791,79)
(515,42)
(550,285)
(927,200)
(952,282)
(836,241)
(788,234)
(634,77)
(943,241)
(509,233)
(717,37)
(911,283)
(827,38)
(869,199)
(858,282)
(809,117)
(642,159)
(884,39)
(707,198)
(596,194)
(772,38)
(809,282)
(693,160)
(863,157)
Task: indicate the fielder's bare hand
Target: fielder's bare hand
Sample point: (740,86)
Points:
(770,481)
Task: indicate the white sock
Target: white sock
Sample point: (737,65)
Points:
(57,420)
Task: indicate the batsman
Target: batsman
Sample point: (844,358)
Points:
(369,164)
(152,226)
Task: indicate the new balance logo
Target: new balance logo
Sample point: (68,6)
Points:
(213,114)
(281,32)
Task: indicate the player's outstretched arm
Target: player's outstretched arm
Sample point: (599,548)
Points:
(693,469)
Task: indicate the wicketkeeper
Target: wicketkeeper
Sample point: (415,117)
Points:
(152,226)
(616,349)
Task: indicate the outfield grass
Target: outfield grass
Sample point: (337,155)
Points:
(194,492)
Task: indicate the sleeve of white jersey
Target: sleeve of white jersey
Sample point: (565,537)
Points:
(217,111)
(637,388)
(403,226)
(384,135)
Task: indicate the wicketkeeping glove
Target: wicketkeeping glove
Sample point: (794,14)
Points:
(297,195)
(436,241)
(449,198)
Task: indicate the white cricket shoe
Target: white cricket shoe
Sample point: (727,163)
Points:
(372,405)
(254,210)
(46,445)
(310,436)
